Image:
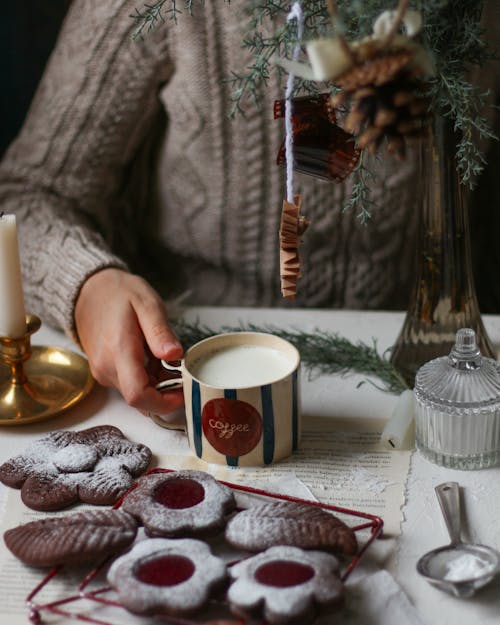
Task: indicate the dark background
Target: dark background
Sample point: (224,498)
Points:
(28,31)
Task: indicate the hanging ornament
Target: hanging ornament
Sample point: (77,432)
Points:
(293,226)
(382,79)
(320,147)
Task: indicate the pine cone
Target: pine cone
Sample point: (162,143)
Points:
(386,100)
(375,71)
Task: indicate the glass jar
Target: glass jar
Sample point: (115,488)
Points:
(457,411)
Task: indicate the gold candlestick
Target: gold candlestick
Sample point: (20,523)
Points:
(38,382)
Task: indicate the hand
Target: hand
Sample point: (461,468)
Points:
(120,319)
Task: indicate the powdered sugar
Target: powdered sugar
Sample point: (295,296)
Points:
(206,573)
(466,566)
(281,603)
(96,465)
(75,457)
(287,523)
(208,514)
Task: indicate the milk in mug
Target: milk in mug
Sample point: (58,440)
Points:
(240,366)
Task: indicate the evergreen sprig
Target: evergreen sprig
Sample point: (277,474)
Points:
(321,352)
(152,15)
(452,34)
(360,197)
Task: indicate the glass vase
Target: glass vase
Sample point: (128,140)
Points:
(443,299)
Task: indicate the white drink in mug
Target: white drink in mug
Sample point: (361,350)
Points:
(239,366)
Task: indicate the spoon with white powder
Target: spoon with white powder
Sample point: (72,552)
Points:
(458,568)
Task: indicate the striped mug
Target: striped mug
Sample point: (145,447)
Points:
(242,398)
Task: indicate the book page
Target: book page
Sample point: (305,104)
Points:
(343,463)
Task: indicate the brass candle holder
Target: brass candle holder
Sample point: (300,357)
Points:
(39,382)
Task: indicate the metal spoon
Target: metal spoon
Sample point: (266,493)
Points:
(458,568)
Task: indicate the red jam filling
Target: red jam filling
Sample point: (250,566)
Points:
(179,493)
(167,570)
(283,573)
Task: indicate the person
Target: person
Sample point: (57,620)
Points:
(132,185)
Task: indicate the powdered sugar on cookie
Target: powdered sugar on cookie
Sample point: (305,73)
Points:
(289,523)
(96,465)
(285,585)
(164,576)
(180,503)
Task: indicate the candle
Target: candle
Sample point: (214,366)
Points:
(12,314)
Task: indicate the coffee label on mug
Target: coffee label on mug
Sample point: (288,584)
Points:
(233,427)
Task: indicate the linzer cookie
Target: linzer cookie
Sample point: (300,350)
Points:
(96,466)
(163,576)
(285,585)
(72,539)
(288,523)
(180,503)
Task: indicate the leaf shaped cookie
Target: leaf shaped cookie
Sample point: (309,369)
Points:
(75,538)
(288,523)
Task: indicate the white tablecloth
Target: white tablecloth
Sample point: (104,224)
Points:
(327,396)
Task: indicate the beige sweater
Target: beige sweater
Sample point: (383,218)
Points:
(128,158)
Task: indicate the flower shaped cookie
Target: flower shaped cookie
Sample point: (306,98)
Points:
(181,502)
(164,576)
(285,585)
(96,466)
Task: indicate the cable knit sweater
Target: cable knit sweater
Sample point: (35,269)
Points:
(128,158)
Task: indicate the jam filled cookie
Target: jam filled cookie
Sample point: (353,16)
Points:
(285,585)
(288,523)
(164,576)
(72,539)
(180,503)
(96,466)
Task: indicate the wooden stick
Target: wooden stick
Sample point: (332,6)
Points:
(398,18)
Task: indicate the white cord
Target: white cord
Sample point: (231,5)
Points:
(295,13)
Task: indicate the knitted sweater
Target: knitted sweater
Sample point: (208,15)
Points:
(128,158)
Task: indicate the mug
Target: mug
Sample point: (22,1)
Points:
(242,398)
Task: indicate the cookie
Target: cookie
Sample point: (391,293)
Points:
(285,585)
(96,466)
(165,576)
(180,503)
(72,539)
(289,523)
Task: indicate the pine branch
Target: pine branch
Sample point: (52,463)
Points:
(360,197)
(452,34)
(152,15)
(321,352)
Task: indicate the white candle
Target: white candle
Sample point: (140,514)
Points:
(12,314)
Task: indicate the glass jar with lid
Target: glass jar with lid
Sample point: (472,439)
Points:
(457,407)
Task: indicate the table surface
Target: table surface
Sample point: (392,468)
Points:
(331,396)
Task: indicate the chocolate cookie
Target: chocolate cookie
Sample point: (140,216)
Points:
(76,538)
(96,466)
(289,523)
(285,585)
(180,503)
(163,576)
